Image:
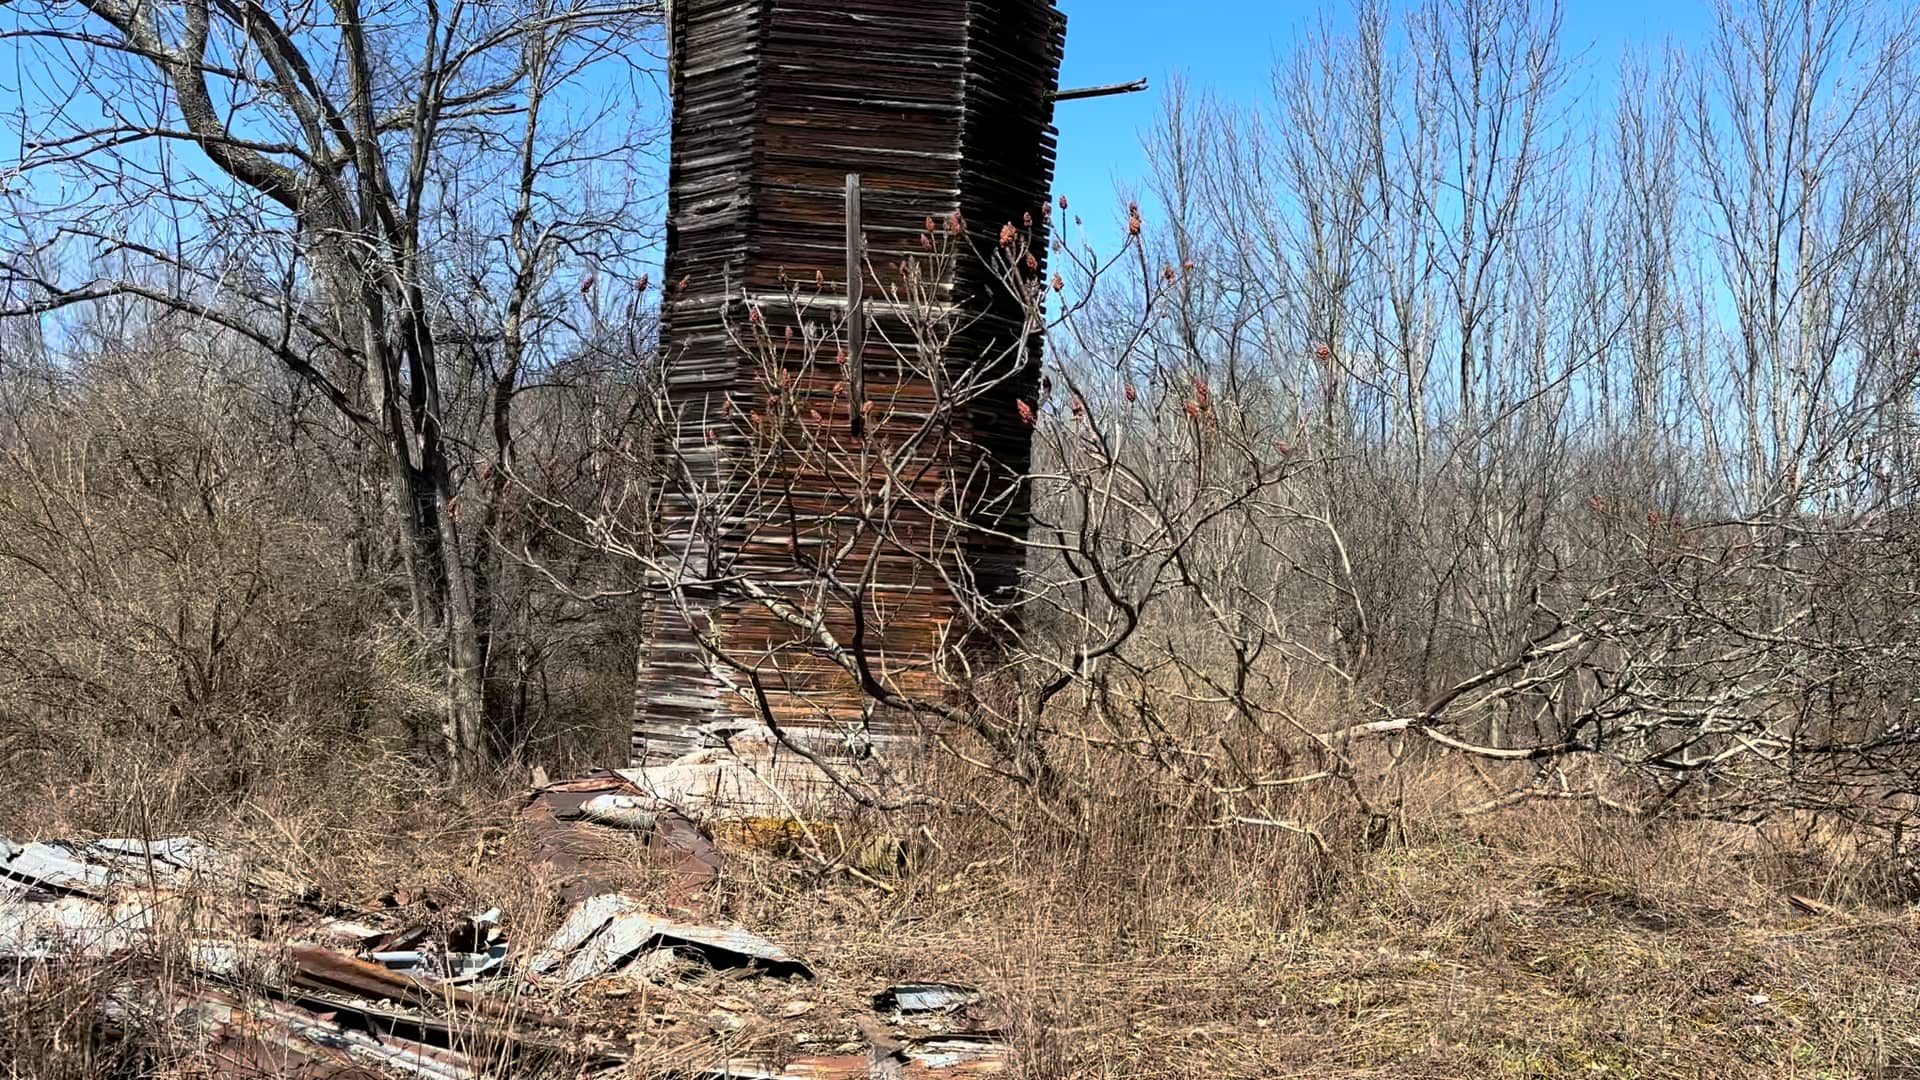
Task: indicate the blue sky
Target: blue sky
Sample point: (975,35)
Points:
(1223,47)
(1228,47)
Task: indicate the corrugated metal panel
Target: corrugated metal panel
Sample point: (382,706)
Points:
(943,107)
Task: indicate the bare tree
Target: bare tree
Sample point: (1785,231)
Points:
(394,204)
(1790,113)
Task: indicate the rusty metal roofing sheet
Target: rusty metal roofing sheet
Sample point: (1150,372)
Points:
(604,932)
(97,867)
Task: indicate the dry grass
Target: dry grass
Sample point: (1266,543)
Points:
(1546,941)
(1551,941)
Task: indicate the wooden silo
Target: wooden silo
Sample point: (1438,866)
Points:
(943,108)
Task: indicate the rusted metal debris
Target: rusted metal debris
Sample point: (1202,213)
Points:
(571,857)
(395,998)
(473,948)
(680,846)
(924,997)
(91,869)
(672,805)
(246,1036)
(606,932)
(748,781)
(944,109)
(60,899)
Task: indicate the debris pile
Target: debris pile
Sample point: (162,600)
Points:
(344,992)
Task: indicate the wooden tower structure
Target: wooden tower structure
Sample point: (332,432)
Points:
(907,368)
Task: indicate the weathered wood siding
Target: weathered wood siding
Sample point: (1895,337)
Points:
(942,107)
